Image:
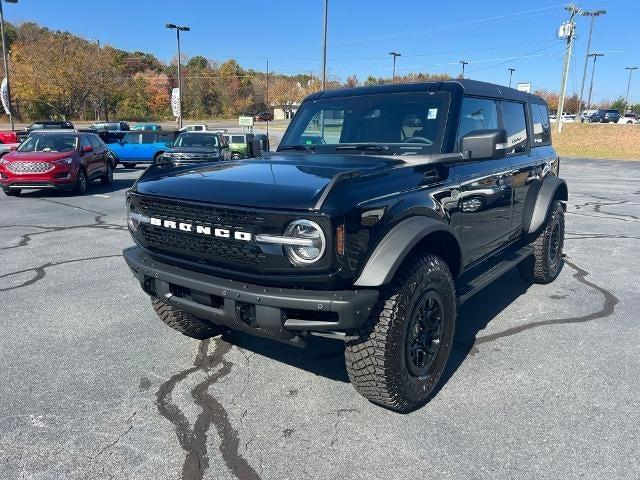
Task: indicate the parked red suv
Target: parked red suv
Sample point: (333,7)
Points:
(62,160)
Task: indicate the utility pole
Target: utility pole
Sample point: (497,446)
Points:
(626,98)
(568,30)
(178,29)
(593,72)
(324,44)
(463,64)
(393,76)
(593,14)
(511,70)
(267,98)
(6,62)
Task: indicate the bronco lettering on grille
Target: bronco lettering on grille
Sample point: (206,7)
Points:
(201,229)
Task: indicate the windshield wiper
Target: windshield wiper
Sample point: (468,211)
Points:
(308,148)
(362,146)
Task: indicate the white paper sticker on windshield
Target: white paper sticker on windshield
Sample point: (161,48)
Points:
(432,114)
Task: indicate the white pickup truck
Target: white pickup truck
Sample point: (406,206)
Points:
(195,128)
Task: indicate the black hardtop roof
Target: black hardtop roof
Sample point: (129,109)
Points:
(469,87)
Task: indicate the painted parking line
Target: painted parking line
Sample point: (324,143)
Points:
(100,195)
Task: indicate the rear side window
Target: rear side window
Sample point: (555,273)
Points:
(515,124)
(477,114)
(237,138)
(131,138)
(165,137)
(95,141)
(148,138)
(541,125)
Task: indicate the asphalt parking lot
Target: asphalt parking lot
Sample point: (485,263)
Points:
(543,382)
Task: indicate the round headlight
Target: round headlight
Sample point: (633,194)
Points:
(312,242)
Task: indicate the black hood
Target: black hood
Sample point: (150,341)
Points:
(282,181)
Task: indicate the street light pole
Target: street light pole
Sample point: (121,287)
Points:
(593,14)
(626,98)
(6,62)
(511,70)
(394,54)
(569,33)
(463,64)
(178,29)
(593,72)
(324,44)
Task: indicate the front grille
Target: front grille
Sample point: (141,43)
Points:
(197,245)
(193,156)
(29,167)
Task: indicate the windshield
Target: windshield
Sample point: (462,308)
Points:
(49,143)
(196,140)
(107,126)
(392,123)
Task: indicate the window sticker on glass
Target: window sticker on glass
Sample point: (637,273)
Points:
(432,114)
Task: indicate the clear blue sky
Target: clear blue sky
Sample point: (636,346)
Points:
(432,36)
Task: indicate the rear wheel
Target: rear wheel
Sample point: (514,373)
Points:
(236,156)
(128,165)
(397,358)
(157,157)
(12,192)
(546,262)
(107,179)
(184,322)
(82,182)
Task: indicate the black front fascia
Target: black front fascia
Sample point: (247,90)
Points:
(246,260)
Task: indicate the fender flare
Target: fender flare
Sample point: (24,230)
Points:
(389,254)
(552,188)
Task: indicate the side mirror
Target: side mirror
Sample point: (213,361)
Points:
(488,144)
(87,149)
(256,148)
(169,144)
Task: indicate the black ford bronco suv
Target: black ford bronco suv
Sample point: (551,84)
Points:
(383,208)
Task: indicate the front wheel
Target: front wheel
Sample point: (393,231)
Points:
(184,322)
(237,156)
(82,182)
(397,358)
(546,262)
(107,179)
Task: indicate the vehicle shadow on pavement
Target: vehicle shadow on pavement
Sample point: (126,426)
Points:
(474,316)
(325,357)
(94,187)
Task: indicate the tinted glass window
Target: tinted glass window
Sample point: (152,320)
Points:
(477,114)
(148,138)
(197,140)
(95,141)
(541,126)
(131,138)
(402,123)
(49,143)
(84,142)
(237,139)
(516,125)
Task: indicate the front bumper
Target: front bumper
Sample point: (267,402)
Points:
(59,177)
(279,313)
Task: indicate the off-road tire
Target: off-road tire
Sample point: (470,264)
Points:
(157,157)
(545,264)
(128,165)
(237,156)
(107,179)
(376,355)
(12,192)
(184,322)
(82,182)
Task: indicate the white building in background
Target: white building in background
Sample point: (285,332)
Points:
(280,114)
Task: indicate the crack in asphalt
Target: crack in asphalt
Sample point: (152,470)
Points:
(608,307)
(585,236)
(118,438)
(194,440)
(597,207)
(40,271)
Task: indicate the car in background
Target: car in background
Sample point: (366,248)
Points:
(240,144)
(197,147)
(50,125)
(263,117)
(147,126)
(629,118)
(200,127)
(141,146)
(111,126)
(56,160)
(605,116)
